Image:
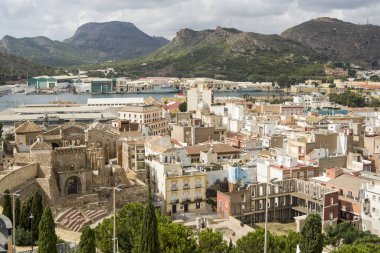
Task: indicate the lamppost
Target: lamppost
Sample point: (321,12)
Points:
(31,217)
(117,188)
(14,194)
(268,184)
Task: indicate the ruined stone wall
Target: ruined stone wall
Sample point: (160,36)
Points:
(69,159)
(43,159)
(18,176)
(105,140)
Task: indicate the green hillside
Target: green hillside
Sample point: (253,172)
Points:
(16,68)
(227,54)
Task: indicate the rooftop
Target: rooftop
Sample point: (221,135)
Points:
(218,148)
(140,109)
(28,127)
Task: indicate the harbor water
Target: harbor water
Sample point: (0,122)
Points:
(14,100)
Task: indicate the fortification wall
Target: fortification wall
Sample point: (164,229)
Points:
(18,176)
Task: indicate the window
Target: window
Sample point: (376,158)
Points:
(242,198)
(373,197)
(331,215)
(332,201)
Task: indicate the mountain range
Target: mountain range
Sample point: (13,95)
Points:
(299,52)
(91,43)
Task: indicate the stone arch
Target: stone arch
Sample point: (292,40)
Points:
(73,185)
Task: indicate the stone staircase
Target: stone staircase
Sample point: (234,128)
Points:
(75,219)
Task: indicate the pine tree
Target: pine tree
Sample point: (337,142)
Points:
(312,238)
(7,205)
(17,211)
(36,209)
(87,241)
(149,230)
(47,242)
(25,214)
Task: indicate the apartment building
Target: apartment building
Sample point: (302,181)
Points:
(145,115)
(181,186)
(199,93)
(193,135)
(292,109)
(348,187)
(133,157)
(370,207)
(291,198)
(182,189)
(315,100)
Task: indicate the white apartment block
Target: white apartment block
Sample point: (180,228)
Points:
(198,94)
(370,214)
(311,101)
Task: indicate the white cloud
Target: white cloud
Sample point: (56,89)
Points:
(58,19)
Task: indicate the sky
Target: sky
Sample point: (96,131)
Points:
(58,19)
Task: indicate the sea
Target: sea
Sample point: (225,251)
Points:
(14,100)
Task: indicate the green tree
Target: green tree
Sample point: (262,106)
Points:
(25,214)
(358,248)
(10,137)
(253,242)
(17,212)
(87,241)
(149,231)
(182,107)
(175,237)
(47,242)
(128,224)
(211,242)
(23,237)
(347,233)
(7,205)
(37,209)
(312,238)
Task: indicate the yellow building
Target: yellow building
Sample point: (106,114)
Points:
(185,191)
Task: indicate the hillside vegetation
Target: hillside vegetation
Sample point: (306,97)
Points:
(227,53)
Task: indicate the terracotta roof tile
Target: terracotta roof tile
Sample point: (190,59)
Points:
(28,127)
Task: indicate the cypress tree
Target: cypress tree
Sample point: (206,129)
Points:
(87,241)
(311,235)
(7,205)
(25,214)
(47,242)
(149,230)
(36,209)
(17,211)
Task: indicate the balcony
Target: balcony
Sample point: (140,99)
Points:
(198,185)
(174,201)
(186,200)
(186,187)
(174,188)
(198,199)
